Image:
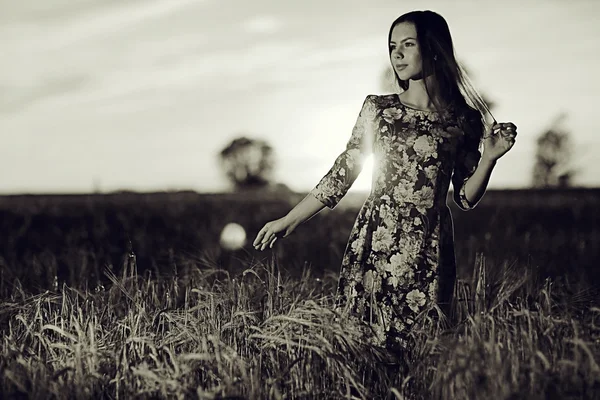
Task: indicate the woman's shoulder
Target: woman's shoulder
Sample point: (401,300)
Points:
(381,100)
(387,96)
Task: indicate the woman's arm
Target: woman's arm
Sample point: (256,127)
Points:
(303,211)
(475,186)
(333,186)
(348,165)
(500,138)
(472,170)
(284,226)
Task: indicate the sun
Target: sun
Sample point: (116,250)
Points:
(363,182)
(328,119)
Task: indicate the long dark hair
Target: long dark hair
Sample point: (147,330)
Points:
(450,83)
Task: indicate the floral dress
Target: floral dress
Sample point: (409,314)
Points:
(400,255)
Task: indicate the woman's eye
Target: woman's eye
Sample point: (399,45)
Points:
(410,44)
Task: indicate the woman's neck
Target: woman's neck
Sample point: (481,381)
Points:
(416,95)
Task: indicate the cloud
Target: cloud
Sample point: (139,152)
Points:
(283,60)
(264,24)
(111,20)
(15,99)
(139,71)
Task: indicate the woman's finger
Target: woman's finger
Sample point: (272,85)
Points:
(490,130)
(508,128)
(265,244)
(507,125)
(273,242)
(258,238)
(266,239)
(261,235)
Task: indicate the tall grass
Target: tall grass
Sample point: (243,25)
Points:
(262,334)
(175,320)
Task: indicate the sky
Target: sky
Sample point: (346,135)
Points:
(104,95)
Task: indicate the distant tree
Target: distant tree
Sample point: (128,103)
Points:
(248,163)
(553,159)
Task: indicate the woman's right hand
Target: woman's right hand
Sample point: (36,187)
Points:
(272,230)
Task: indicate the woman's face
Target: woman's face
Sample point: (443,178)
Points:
(404,51)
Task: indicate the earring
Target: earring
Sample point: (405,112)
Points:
(435,58)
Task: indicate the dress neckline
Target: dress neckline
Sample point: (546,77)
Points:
(417,109)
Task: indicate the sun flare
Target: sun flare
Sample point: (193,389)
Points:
(363,182)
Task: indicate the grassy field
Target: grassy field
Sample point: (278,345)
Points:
(174,316)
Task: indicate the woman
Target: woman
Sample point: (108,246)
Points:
(400,255)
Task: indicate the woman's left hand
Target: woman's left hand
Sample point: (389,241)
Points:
(499,139)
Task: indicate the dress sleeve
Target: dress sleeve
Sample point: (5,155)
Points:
(467,159)
(347,166)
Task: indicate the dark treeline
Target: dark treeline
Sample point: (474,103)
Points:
(73,238)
